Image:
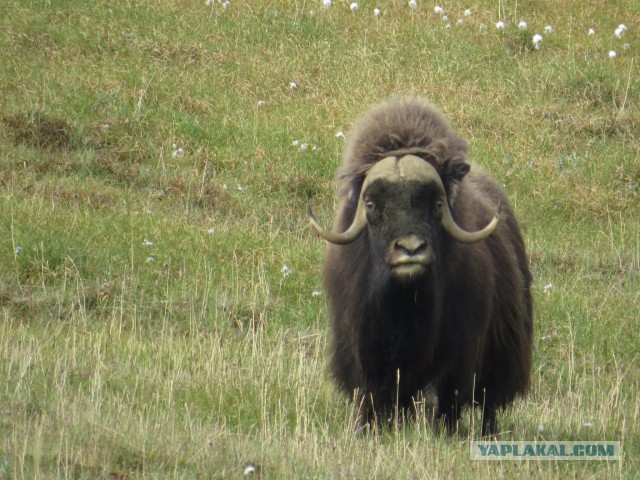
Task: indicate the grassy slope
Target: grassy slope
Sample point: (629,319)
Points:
(194,356)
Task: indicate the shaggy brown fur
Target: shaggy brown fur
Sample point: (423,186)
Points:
(465,329)
(406,126)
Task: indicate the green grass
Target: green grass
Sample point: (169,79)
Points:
(191,355)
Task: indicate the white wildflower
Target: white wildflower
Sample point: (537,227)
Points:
(209,3)
(149,259)
(226,5)
(377,12)
(177,152)
(239,187)
(445,18)
(211,230)
(326,3)
(304,146)
(448,26)
(522,25)
(286,270)
(438,9)
(17,250)
(262,103)
(296,143)
(293,85)
(250,469)
(548,29)
(612,54)
(316,293)
(592,32)
(541,428)
(619,32)
(353,6)
(537,40)
(460,21)
(147,242)
(341,135)
(467,12)
(500,25)
(587,424)
(413,4)
(547,287)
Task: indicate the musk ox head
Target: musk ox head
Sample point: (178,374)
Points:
(403,206)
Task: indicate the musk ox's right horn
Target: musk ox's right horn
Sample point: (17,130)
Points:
(348,236)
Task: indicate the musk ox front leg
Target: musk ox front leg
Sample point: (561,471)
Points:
(365,414)
(377,403)
(489,422)
(372,410)
(426,404)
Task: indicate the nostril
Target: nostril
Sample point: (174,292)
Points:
(411,245)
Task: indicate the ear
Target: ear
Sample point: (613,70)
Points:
(452,172)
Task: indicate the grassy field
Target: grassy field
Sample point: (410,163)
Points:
(160,294)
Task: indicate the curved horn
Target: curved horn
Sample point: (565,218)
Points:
(417,168)
(382,169)
(348,236)
(462,236)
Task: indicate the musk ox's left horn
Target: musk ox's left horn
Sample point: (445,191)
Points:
(417,168)
(348,236)
(462,236)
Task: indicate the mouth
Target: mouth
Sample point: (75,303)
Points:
(410,266)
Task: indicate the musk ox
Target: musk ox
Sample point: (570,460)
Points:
(426,273)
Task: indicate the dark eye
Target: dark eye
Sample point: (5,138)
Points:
(370,204)
(439,204)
